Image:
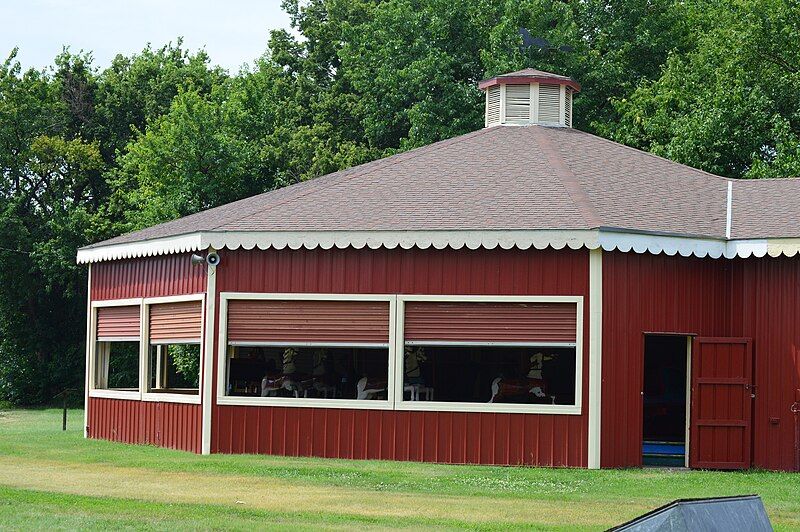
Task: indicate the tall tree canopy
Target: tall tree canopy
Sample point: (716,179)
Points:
(88,153)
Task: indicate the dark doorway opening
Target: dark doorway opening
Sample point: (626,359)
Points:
(664,400)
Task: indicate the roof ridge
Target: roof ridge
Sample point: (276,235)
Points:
(358,171)
(654,156)
(568,179)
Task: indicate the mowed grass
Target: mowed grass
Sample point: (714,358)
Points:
(54,479)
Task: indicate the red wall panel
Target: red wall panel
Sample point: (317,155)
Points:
(420,436)
(650,293)
(172,425)
(166,275)
(167,424)
(765,306)
(757,298)
(453,437)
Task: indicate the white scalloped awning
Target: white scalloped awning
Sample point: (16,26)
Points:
(576,239)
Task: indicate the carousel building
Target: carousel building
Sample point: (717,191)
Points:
(524,294)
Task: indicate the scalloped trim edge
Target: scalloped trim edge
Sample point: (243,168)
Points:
(539,239)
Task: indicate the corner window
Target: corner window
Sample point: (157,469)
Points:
(117,366)
(173,361)
(299,351)
(116,350)
(490,355)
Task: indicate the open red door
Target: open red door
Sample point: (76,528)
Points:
(722,397)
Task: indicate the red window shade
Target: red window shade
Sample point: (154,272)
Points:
(490,322)
(287,321)
(176,321)
(118,322)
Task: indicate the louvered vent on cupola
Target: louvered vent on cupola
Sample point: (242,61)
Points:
(529,97)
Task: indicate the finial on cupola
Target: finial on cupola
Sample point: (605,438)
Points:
(529,96)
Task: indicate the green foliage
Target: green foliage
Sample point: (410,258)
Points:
(212,168)
(88,153)
(186,361)
(123,365)
(731,105)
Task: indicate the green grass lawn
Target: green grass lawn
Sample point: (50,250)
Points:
(55,479)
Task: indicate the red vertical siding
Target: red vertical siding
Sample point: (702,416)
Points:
(171,425)
(650,293)
(765,306)
(489,438)
(166,275)
(757,298)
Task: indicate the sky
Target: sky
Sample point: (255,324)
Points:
(233,32)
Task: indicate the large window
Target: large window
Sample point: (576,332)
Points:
(309,372)
(116,349)
(448,353)
(532,375)
(491,354)
(307,350)
(174,351)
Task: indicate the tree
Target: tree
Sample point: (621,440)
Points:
(86,154)
(188,160)
(730,105)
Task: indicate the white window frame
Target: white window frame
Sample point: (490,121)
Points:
(442,406)
(105,393)
(222,370)
(144,355)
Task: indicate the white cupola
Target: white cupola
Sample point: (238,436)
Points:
(529,96)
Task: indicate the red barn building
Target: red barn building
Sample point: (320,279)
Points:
(523,294)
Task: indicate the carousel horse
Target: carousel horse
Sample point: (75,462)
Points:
(323,377)
(272,384)
(370,388)
(505,390)
(529,388)
(288,380)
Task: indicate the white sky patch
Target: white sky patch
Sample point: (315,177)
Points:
(233,32)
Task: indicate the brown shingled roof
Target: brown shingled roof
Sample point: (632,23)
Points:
(510,178)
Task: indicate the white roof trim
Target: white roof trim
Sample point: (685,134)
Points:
(538,239)
(145,248)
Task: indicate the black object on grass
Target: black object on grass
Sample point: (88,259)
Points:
(742,512)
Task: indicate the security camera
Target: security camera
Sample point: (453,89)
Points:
(212,259)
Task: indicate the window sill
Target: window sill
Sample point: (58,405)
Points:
(115,394)
(487,408)
(171,398)
(303,403)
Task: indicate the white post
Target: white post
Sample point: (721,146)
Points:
(208,359)
(595,355)
(161,374)
(88,354)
